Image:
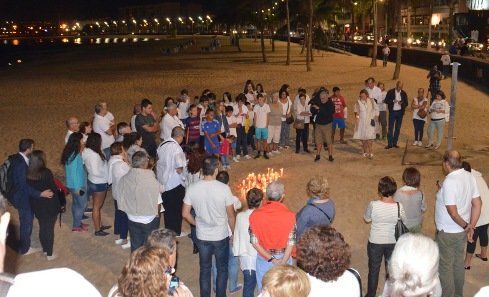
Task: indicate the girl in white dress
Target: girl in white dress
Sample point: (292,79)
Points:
(366,113)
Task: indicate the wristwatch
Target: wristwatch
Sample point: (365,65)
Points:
(466,225)
(271,258)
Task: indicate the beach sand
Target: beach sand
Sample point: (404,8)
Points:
(38,95)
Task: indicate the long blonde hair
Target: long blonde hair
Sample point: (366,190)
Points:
(286,281)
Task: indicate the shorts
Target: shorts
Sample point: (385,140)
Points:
(323,133)
(339,123)
(261,133)
(96,188)
(233,145)
(274,134)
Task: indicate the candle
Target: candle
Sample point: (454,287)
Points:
(281,172)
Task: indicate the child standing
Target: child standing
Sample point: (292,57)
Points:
(242,247)
(232,124)
(192,126)
(226,150)
(212,130)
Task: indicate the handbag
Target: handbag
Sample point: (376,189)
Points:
(372,122)
(299,124)
(422,113)
(400,227)
(289,120)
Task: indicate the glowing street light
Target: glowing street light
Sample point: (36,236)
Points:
(134,21)
(156,20)
(200,18)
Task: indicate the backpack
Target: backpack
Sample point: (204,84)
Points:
(5,177)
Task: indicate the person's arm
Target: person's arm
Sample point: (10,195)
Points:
(368,213)
(187,215)
(290,246)
(414,105)
(231,217)
(453,212)
(474,217)
(148,128)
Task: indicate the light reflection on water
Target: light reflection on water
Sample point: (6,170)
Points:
(72,40)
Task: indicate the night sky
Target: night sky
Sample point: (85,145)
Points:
(35,10)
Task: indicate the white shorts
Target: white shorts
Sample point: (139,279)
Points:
(274,134)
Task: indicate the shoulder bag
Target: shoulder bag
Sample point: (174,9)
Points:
(422,113)
(400,227)
(357,276)
(288,120)
(318,208)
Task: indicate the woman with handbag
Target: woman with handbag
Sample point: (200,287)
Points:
(301,123)
(384,215)
(287,118)
(366,114)
(419,106)
(46,210)
(439,114)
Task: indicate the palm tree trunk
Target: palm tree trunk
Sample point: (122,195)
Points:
(287,62)
(273,43)
(429,24)
(373,63)
(363,23)
(397,70)
(262,41)
(408,24)
(312,43)
(309,39)
(304,44)
(451,34)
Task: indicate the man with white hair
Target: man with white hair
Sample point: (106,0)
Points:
(103,124)
(170,170)
(272,231)
(73,126)
(169,121)
(457,210)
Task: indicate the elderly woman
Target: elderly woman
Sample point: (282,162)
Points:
(325,256)
(413,278)
(412,199)
(482,225)
(319,210)
(285,280)
(366,114)
(383,214)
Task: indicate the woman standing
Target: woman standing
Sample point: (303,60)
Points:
(412,199)
(303,116)
(249,91)
(419,106)
(45,209)
(96,166)
(319,210)
(260,90)
(383,214)
(438,112)
(76,179)
(118,167)
(132,143)
(366,113)
(287,107)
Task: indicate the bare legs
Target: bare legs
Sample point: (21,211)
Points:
(98,202)
(367,148)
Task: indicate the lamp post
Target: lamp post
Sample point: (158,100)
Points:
(453,98)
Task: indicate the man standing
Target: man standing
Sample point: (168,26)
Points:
(169,121)
(457,209)
(374,92)
(20,192)
(445,61)
(73,126)
(435,76)
(324,118)
(261,121)
(339,115)
(103,125)
(139,196)
(147,127)
(213,205)
(170,169)
(272,231)
(396,101)
(385,54)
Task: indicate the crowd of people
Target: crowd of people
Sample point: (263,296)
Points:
(185,176)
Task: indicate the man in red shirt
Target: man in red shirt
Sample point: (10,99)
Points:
(339,116)
(272,232)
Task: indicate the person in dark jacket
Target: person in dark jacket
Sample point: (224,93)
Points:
(397,101)
(46,210)
(21,192)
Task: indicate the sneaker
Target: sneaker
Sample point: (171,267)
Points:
(182,234)
(436,147)
(276,152)
(52,257)
(32,251)
(371,156)
(365,155)
(257,156)
(235,160)
(105,227)
(237,289)
(126,245)
(420,144)
(78,230)
(247,157)
(388,147)
(331,159)
(101,233)
(286,147)
(120,241)
(415,143)
(266,156)
(318,157)
(238,157)
(428,145)
(88,210)
(84,217)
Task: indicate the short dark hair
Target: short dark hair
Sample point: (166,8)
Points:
(370,78)
(116,148)
(145,102)
(223,177)
(121,126)
(203,98)
(335,89)
(254,198)
(302,95)
(184,91)
(387,186)
(25,144)
(260,95)
(98,108)
(208,111)
(163,238)
(442,94)
(466,166)
(411,177)
(210,165)
(229,108)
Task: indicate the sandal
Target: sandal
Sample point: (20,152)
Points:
(480,257)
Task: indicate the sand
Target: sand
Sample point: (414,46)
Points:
(38,95)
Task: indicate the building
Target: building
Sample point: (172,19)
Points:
(161,10)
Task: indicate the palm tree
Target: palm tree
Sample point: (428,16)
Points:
(287,12)
(373,63)
(397,70)
(309,39)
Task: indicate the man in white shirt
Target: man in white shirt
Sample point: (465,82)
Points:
(73,126)
(183,105)
(103,124)
(457,209)
(169,121)
(213,205)
(170,170)
(261,121)
(374,92)
(241,113)
(445,61)
(385,55)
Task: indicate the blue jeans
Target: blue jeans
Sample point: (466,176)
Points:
(219,249)
(418,129)
(241,141)
(78,206)
(249,285)
(26,217)
(232,271)
(438,125)
(262,266)
(140,232)
(284,134)
(224,160)
(395,122)
(120,222)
